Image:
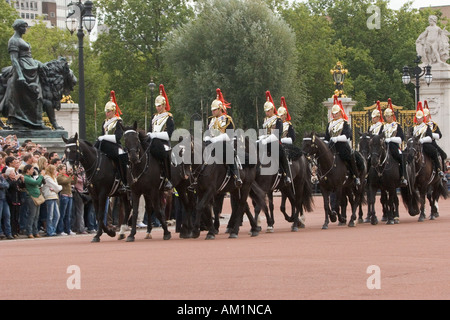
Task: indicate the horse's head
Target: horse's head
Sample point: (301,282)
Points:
(72,152)
(364,139)
(310,145)
(377,150)
(132,143)
(413,150)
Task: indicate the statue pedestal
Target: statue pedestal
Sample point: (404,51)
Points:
(347,103)
(438,98)
(51,139)
(68,117)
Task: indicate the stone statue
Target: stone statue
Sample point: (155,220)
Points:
(432,44)
(29,87)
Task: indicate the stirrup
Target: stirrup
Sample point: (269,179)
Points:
(238,182)
(192,186)
(168,185)
(357,181)
(403,182)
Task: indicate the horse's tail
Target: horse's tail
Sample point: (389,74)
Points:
(442,190)
(258,195)
(410,200)
(307,192)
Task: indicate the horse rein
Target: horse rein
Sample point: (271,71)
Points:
(76,162)
(314,160)
(147,158)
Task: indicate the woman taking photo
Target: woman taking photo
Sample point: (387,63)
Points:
(50,191)
(32,190)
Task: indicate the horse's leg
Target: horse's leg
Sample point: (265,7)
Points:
(218,205)
(201,209)
(328,212)
(390,206)
(341,206)
(422,205)
(149,210)
(371,197)
(157,199)
(269,213)
(99,217)
(124,216)
(255,229)
(355,201)
(135,202)
(396,203)
(186,225)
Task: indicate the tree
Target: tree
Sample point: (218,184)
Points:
(241,47)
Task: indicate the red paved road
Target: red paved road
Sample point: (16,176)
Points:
(413,259)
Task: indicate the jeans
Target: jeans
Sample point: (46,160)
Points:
(52,216)
(33,216)
(90,219)
(65,209)
(5,217)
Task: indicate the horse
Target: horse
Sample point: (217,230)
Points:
(299,193)
(384,176)
(333,180)
(144,178)
(100,179)
(213,181)
(422,177)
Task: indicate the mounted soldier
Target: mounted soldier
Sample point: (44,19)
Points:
(288,135)
(338,135)
(162,128)
(423,132)
(377,121)
(273,121)
(109,141)
(394,136)
(436,132)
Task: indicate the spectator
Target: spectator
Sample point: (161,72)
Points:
(42,164)
(50,191)
(32,188)
(78,203)
(5,215)
(65,200)
(13,196)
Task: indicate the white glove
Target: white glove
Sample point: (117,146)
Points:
(222,137)
(387,140)
(396,140)
(108,137)
(334,139)
(159,135)
(207,138)
(425,140)
(286,140)
(436,136)
(341,138)
(269,139)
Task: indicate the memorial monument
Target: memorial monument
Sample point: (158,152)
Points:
(28,88)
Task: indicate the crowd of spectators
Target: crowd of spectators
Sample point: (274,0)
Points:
(29,170)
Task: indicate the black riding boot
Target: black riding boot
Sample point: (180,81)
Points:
(235,172)
(402,170)
(123,169)
(354,169)
(167,174)
(285,167)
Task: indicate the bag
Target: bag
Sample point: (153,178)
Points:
(39,200)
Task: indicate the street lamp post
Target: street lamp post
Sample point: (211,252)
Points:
(86,19)
(417,73)
(338,74)
(152,87)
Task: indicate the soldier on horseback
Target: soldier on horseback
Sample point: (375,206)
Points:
(393,134)
(273,121)
(109,141)
(436,132)
(221,122)
(288,135)
(423,132)
(376,128)
(162,129)
(338,134)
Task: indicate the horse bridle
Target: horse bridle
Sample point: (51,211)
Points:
(137,150)
(314,160)
(76,161)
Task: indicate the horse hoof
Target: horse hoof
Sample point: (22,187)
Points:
(367,220)
(341,224)
(254,233)
(432,217)
(95,239)
(294,229)
(148,236)
(324,227)
(270,230)
(374,221)
(351,224)
(421,219)
(130,239)
(233,236)
(210,237)
(121,237)
(361,221)
(227,230)
(167,236)
(333,216)
(390,221)
(396,220)
(111,233)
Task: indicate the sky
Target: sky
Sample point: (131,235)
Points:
(396,4)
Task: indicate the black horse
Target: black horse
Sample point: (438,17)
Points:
(333,180)
(100,175)
(144,177)
(299,192)
(422,179)
(213,181)
(384,176)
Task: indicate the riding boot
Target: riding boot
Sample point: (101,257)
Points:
(167,174)
(123,168)
(285,167)
(235,172)
(402,170)
(354,169)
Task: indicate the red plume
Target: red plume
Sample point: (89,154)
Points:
(113,99)
(163,93)
(269,99)
(283,104)
(418,108)
(339,103)
(225,103)
(390,106)
(379,109)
